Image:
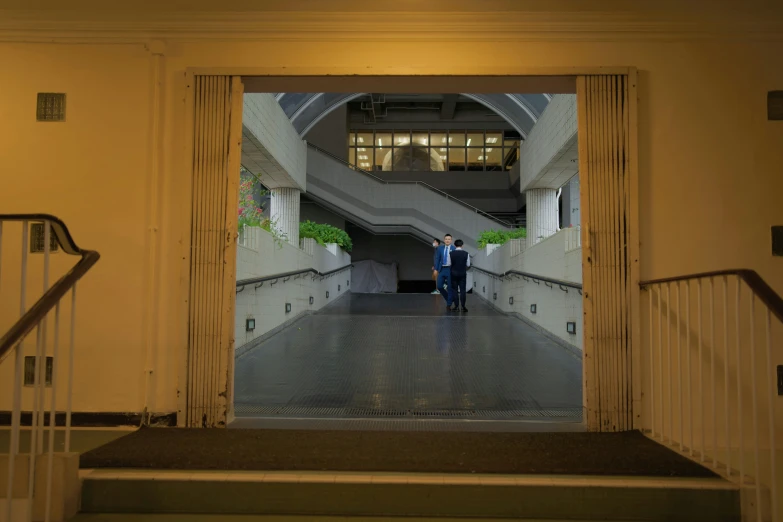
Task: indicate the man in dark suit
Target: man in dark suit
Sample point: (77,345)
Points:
(443,267)
(460,262)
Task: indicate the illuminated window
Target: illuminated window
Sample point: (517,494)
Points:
(423,151)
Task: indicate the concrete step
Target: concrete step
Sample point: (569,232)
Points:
(413,495)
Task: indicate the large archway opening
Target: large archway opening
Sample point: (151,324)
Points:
(357,394)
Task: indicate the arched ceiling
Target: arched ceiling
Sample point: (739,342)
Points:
(306,109)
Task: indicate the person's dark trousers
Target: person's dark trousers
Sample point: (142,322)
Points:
(459,284)
(444,277)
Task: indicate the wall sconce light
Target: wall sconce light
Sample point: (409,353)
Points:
(484,289)
(287,307)
(571,327)
(495,296)
(338,288)
(511,300)
(250,324)
(311,299)
(532,309)
(327,294)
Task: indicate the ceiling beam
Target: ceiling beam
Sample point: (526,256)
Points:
(449,106)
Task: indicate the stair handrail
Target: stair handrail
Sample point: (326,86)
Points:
(420,183)
(535,277)
(755,282)
(241,283)
(25,324)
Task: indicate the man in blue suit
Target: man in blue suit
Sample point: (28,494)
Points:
(443,266)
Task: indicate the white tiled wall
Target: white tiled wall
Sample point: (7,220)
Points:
(549,258)
(282,158)
(266,304)
(460,221)
(547,157)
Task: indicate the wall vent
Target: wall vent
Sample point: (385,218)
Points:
(777,240)
(50,107)
(29,370)
(37,236)
(775,105)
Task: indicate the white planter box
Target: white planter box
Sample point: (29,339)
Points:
(492,247)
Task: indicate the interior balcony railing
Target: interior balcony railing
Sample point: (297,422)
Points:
(37,234)
(712,379)
(284,277)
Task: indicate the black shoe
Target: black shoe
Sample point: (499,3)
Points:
(452,308)
(464,310)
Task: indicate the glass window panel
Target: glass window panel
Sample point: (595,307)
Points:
(493,138)
(421,138)
(351,138)
(402,138)
(364,139)
(383,139)
(511,143)
(402,158)
(438,139)
(381,155)
(456,138)
(352,156)
(493,157)
(476,159)
(475,139)
(421,161)
(510,156)
(456,159)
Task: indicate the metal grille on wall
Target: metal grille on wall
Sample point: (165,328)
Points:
(216,164)
(604,170)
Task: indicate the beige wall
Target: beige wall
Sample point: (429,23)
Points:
(709,162)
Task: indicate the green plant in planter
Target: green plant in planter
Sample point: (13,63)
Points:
(324,234)
(269,225)
(499,237)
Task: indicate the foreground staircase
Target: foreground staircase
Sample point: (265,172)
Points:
(223,493)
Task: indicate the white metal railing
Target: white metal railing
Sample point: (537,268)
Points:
(46,312)
(710,380)
(573,238)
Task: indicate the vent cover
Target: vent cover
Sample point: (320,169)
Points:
(29,370)
(37,239)
(50,107)
(777,240)
(775,105)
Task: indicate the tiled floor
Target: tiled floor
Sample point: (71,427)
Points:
(398,356)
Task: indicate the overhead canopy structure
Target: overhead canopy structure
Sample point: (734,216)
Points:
(305,109)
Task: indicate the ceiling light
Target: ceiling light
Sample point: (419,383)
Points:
(481,158)
(364,157)
(488,150)
(443,149)
(379,142)
(360,139)
(443,158)
(361,149)
(468,142)
(365,164)
(492,140)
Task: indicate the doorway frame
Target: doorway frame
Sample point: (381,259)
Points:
(395,75)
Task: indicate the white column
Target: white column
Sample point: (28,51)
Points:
(284,213)
(541,213)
